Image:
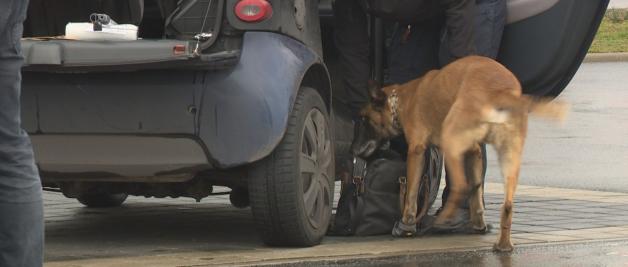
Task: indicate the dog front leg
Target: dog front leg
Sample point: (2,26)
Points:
(416,160)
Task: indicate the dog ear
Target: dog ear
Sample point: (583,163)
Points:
(376,92)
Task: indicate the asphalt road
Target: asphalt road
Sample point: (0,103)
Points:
(590,151)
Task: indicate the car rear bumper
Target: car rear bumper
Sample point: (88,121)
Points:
(119,157)
(166,123)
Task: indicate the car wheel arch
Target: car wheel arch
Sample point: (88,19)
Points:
(317,77)
(248,106)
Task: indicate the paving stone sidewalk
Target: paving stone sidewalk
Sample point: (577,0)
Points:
(180,232)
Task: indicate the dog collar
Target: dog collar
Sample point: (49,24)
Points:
(393,103)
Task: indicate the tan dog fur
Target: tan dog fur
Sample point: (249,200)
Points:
(470,101)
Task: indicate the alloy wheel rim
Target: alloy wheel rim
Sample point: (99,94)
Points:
(314,160)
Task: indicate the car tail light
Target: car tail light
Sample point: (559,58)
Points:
(179,49)
(253,10)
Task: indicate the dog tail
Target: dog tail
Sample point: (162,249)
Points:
(549,109)
(497,115)
(506,104)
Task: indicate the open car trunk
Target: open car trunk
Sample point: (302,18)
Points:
(166,33)
(546,41)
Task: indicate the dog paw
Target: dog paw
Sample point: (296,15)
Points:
(505,247)
(404,230)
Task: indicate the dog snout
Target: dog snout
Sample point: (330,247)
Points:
(370,148)
(360,140)
(365,149)
(357,149)
(365,141)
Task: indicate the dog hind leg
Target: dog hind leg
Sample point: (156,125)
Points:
(474,171)
(510,162)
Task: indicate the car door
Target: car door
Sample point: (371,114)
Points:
(545,41)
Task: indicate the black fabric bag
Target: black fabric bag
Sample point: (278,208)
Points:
(371,206)
(409,11)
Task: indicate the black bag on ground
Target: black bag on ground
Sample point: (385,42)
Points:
(371,206)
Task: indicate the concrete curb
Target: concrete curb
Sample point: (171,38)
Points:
(291,258)
(606,57)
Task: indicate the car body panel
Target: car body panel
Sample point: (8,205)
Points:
(141,102)
(245,110)
(522,9)
(545,51)
(295,18)
(118,157)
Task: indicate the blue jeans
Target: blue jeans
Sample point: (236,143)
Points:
(426,47)
(21,215)
(489,23)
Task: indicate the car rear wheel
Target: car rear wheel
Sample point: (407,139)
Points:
(101,200)
(292,190)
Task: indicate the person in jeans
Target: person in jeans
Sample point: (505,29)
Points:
(351,37)
(420,47)
(21,208)
(490,20)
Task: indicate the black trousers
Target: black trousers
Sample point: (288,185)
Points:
(351,38)
(21,215)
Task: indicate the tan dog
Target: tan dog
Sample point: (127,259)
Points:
(470,101)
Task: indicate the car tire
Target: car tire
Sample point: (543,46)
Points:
(102,200)
(292,200)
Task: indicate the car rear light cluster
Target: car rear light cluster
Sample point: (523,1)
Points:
(253,10)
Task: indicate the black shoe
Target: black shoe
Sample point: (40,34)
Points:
(438,211)
(404,230)
(461,224)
